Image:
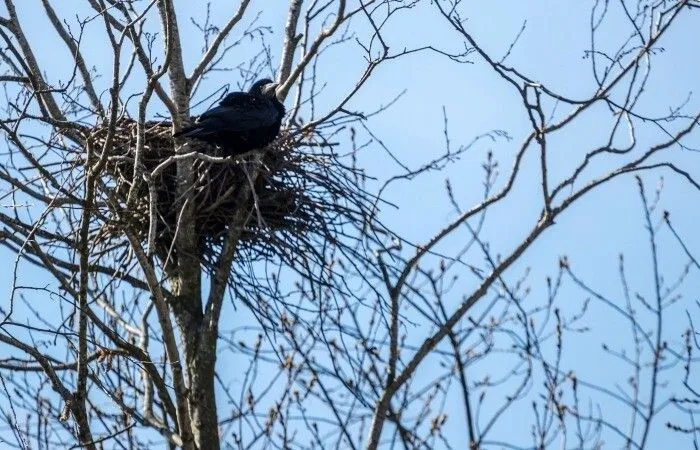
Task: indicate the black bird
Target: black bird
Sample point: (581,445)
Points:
(243,121)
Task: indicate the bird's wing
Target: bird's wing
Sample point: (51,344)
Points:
(235,98)
(242,116)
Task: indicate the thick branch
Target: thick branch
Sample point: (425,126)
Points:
(291,40)
(289,81)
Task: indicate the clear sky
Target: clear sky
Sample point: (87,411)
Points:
(551,50)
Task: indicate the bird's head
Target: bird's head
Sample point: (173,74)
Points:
(265,87)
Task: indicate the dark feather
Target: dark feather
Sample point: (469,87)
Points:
(243,121)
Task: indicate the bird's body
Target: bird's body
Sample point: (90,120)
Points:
(243,121)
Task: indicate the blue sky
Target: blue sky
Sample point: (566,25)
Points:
(551,50)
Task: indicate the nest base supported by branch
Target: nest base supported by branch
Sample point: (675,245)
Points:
(292,198)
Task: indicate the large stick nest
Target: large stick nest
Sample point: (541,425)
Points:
(285,199)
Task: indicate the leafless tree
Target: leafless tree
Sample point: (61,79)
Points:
(133,251)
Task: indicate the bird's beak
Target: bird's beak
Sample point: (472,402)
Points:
(270,90)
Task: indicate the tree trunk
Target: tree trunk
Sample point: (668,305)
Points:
(202,399)
(200,363)
(186,276)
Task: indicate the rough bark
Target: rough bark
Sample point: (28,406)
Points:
(187,281)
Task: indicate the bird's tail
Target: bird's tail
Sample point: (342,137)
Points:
(185,132)
(193,132)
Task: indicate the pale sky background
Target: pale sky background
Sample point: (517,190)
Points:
(592,234)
